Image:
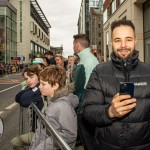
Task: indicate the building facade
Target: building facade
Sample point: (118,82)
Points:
(83,21)
(32,32)
(96,31)
(135,10)
(8,31)
(57,50)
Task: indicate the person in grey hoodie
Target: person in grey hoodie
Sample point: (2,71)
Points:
(59,112)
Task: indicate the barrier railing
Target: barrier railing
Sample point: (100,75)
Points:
(52,131)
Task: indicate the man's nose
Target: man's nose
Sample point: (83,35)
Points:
(123,43)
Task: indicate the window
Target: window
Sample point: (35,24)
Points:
(2,33)
(146,21)
(97,3)
(35,29)
(8,34)
(113,6)
(41,35)
(32,46)
(3,10)
(108,12)
(38,32)
(8,47)
(147,50)
(14,36)
(124,18)
(93,3)
(14,16)
(14,28)
(107,45)
(105,16)
(8,23)
(8,12)
(35,49)
(14,46)
(31,26)
(121,1)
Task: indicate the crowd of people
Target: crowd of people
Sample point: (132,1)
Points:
(9,68)
(83,101)
(56,81)
(6,69)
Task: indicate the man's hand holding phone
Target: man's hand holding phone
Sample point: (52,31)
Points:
(123,102)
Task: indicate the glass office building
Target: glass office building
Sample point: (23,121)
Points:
(8,33)
(24,31)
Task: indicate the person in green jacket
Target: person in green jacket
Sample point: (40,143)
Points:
(87,63)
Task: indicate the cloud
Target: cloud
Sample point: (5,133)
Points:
(63,17)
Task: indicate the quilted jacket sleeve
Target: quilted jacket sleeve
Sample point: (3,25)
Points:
(95,109)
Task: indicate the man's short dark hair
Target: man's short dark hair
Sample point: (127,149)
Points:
(123,22)
(49,53)
(83,39)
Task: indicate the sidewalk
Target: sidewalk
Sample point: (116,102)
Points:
(11,78)
(11,75)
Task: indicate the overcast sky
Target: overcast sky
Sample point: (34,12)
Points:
(63,18)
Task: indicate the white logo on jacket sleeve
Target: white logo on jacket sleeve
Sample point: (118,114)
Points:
(140,84)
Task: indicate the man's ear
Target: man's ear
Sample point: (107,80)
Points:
(56,86)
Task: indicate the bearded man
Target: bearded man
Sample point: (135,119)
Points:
(121,122)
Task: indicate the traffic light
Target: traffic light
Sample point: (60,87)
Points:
(95,53)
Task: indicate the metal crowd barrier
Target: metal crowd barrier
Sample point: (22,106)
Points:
(52,131)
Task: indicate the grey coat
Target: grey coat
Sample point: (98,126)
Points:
(61,115)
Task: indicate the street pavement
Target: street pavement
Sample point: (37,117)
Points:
(9,110)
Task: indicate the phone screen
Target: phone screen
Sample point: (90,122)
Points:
(127,88)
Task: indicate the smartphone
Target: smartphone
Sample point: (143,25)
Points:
(127,88)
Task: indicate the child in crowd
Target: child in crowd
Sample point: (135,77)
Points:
(59,112)
(30,93)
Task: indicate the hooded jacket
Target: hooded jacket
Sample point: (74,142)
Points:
(132,131)
(61,115)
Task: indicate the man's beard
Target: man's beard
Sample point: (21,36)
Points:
(126,57)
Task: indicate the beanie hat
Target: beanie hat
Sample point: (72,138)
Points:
(38,61)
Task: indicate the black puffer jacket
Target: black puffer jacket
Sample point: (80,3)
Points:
(131,132)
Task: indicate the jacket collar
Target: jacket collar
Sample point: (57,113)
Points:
(62,92)
(125,65)
(83,52)
(128,64)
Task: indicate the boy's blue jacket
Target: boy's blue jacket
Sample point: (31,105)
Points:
(25,97)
